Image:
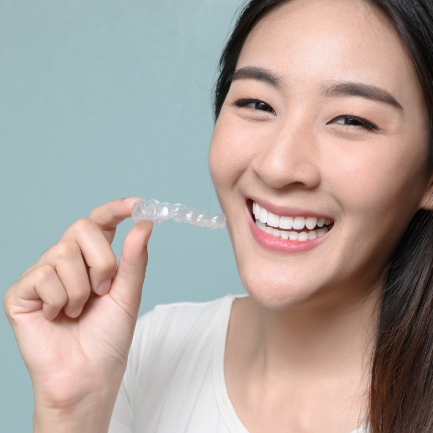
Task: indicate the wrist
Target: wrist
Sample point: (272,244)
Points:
(90,414)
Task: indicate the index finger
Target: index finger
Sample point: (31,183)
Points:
(107,217)
(111,214)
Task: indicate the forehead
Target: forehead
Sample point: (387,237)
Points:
(312,41)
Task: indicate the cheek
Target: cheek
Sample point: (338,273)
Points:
(382,183)
(230,153)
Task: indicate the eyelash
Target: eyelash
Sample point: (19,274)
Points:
(241,103)
(363,122)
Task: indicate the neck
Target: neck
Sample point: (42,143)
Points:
(303,365)
(304,341)
(317,340)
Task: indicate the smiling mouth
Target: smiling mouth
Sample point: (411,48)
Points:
(294,228)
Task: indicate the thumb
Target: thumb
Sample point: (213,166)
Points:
(128,282)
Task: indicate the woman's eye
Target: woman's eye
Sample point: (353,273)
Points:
(255,104)
(354,121)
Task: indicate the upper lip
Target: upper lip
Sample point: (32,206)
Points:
(289,211)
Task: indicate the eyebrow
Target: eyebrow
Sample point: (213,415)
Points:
(258,74)
(365,91)
(339,89)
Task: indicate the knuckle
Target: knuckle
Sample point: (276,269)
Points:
(94,211)
(43,273)
(66,250)
(84,225)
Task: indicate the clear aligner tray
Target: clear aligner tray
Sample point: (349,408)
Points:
(156,212)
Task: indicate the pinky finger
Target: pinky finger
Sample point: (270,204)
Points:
(40,289)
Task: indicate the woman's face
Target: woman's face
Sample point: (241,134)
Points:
(325,119)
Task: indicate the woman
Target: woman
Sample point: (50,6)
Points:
(322,161)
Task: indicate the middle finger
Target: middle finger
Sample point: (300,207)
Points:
(97,252)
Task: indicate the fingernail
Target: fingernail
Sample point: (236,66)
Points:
(76,313)
(131,199)
(103,288)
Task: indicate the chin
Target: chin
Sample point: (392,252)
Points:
(276,293)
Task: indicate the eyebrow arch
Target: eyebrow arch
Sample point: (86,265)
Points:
(340,89)
(258,74)
(363,90)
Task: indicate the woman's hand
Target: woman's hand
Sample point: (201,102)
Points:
(73,313)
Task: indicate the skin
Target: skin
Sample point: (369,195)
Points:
(297,347)
(77,375)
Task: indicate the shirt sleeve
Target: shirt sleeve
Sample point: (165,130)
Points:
(123,414)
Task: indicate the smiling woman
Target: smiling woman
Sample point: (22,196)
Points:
(322,110)
(321,158)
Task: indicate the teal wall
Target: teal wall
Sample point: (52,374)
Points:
(99,100)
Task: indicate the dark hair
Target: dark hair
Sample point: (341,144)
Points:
(401,391)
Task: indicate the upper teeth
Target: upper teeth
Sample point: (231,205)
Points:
(286,222)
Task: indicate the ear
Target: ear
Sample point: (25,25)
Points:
(427,198)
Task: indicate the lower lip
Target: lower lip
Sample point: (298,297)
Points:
(277,244)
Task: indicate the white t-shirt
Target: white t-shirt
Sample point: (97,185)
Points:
(174,381)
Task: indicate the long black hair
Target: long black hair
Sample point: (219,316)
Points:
(401,391)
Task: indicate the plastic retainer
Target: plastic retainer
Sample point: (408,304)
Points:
(156,212)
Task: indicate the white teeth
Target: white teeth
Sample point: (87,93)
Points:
(303,236)
(263,215)
(284,235)
(311,223)
(276,233)
(286,222)
(322,232)
(269,222)
(293,236)
(299,223)
(312,235)
(273,220)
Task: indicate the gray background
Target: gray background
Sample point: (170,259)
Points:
(99,100)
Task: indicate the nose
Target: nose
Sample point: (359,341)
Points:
(289,158)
